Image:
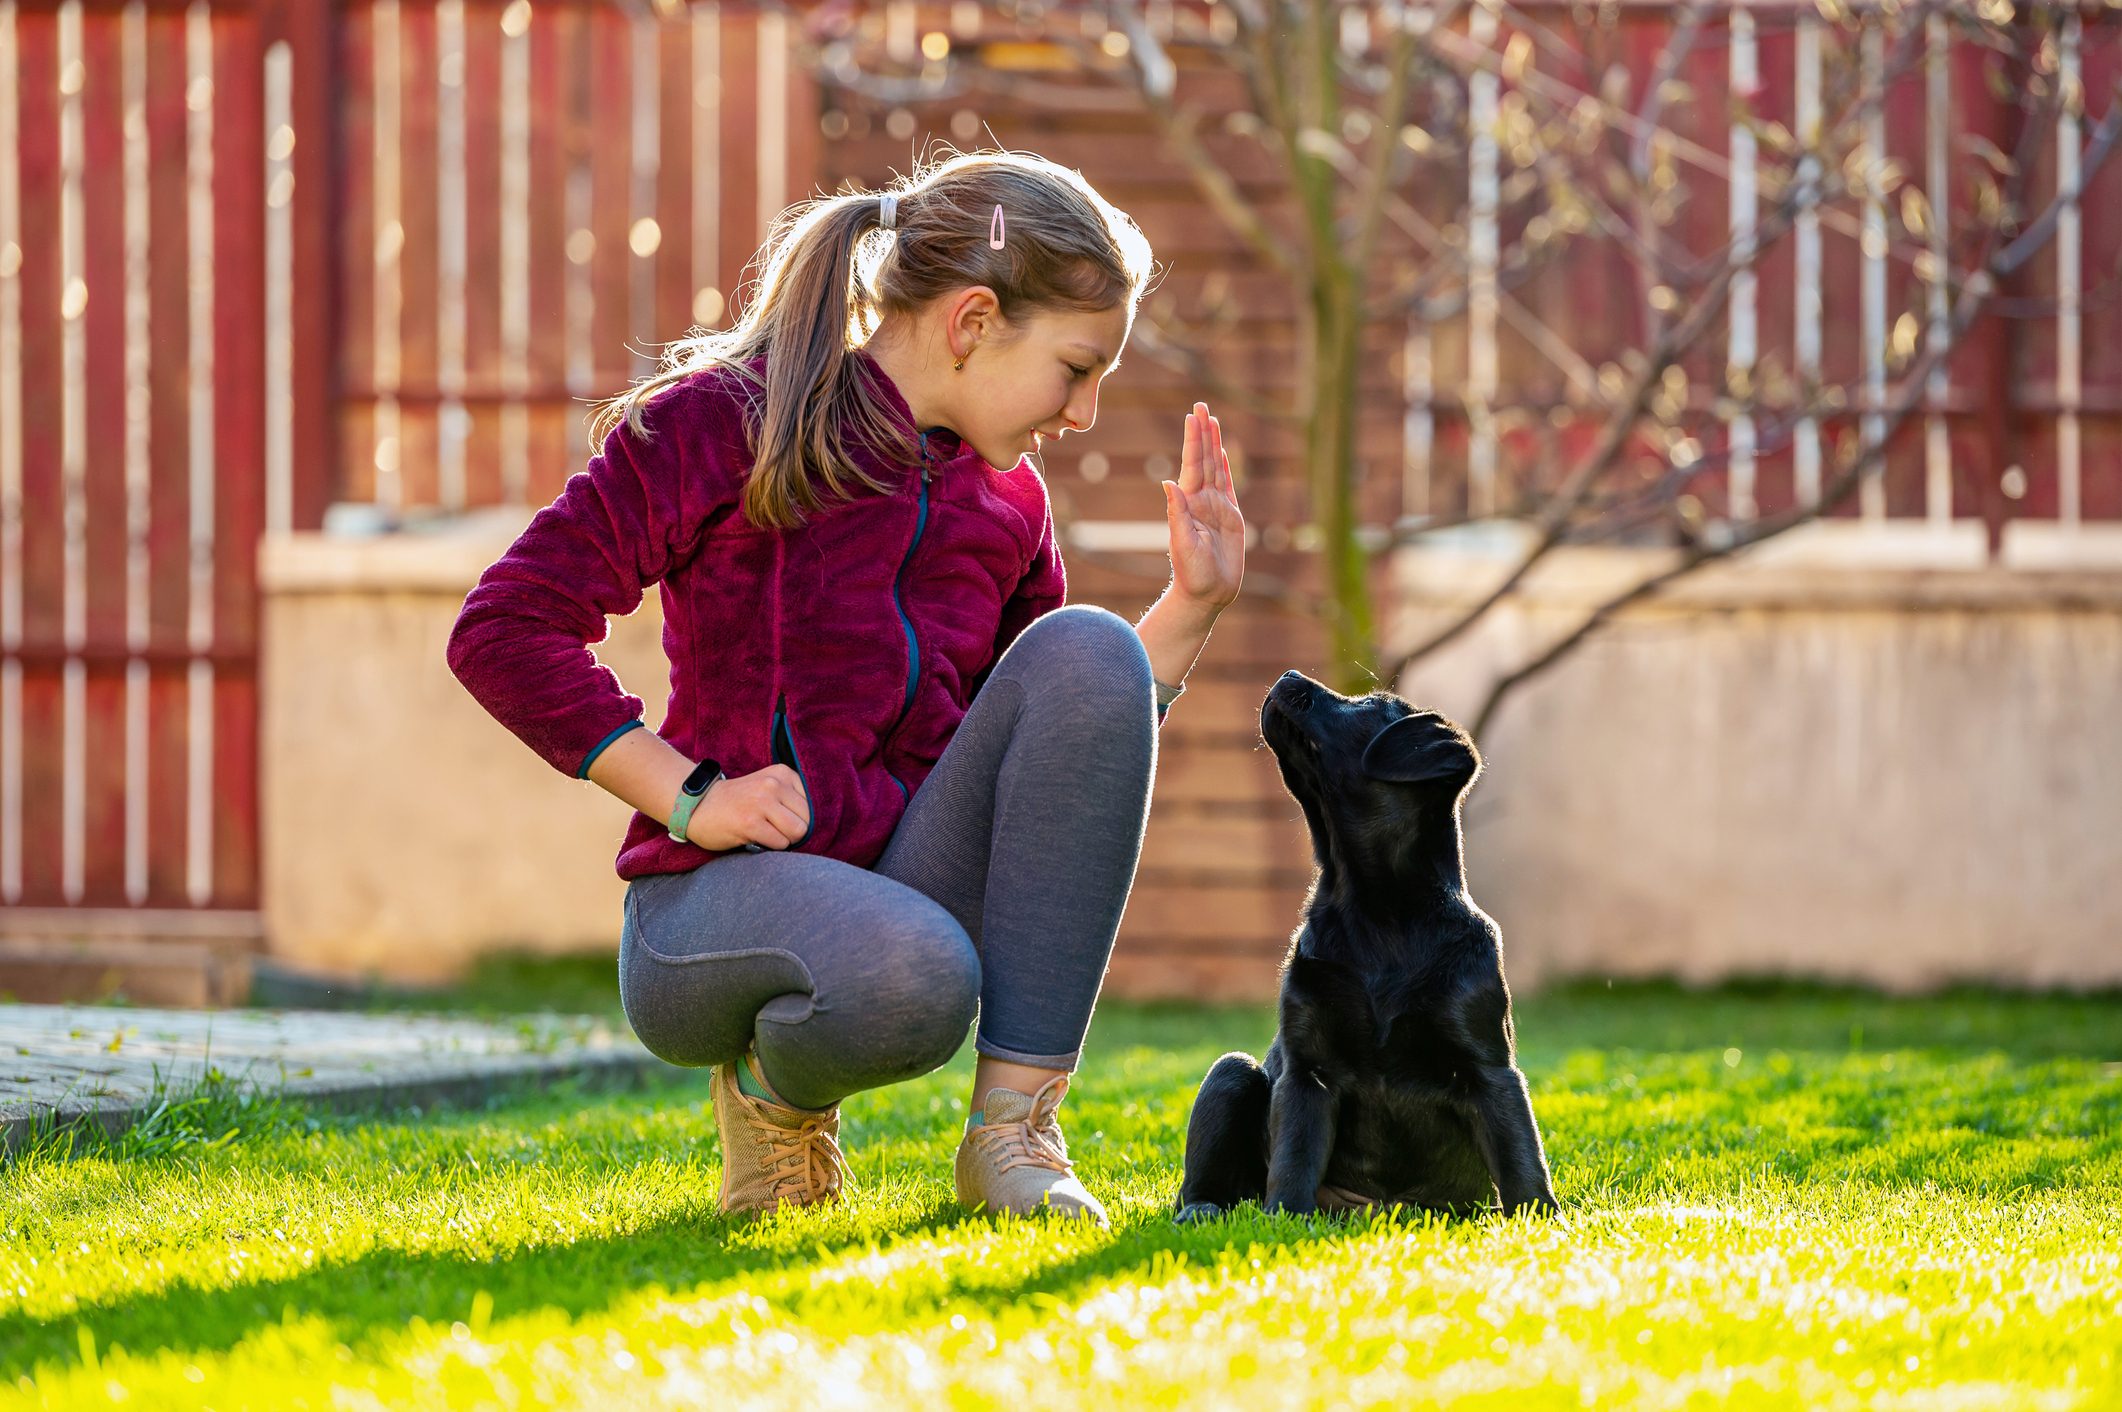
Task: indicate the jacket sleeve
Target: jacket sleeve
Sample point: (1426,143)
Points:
(521,643)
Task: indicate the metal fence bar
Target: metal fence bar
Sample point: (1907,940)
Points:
(452,424)
(389,247)
(200,228)
(73,451)
(11,499)
(139,504)
(1937,437)
(1483,92)
(644,236)
(1872,252)
(280,287)
(1808,307)
(2070,275)
(708,298)
(1742,345)
(514,290)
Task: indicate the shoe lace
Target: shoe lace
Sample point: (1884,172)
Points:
(1031,1141)
(805,1158)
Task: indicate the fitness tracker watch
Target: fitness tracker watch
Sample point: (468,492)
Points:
(690,794)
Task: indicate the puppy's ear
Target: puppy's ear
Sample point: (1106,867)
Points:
(1419,749)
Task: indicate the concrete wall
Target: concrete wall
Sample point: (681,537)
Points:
(1803,764)
(405,831)
(1799,765)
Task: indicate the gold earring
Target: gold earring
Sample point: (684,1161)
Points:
(960,365)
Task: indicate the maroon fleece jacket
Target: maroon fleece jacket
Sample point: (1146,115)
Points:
(847,649)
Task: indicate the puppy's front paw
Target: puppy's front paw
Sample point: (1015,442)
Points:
(1199,1211)
(1293,1206)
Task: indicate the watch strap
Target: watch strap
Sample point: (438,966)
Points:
(682,811)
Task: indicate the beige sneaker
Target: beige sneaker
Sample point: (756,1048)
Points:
(771,1155)
(1017,1160)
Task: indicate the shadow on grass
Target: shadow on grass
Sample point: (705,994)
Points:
(696,1256)
(1644,1091)
(372,1296)
(377,1294)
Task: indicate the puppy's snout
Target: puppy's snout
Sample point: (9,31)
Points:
(1293,692)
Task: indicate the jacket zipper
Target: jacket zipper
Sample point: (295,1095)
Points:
(913,648)
(783,742)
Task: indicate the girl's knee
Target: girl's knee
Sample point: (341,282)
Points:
(925,994)
(1085,647)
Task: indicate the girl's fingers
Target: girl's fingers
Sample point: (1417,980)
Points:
(1205,462)
(1199,467)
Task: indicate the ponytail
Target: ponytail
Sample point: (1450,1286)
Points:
(833,271)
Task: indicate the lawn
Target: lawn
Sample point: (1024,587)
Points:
(1779,1197)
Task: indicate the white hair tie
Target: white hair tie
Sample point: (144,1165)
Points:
(888,212)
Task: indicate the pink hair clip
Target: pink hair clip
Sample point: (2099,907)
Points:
(994,230)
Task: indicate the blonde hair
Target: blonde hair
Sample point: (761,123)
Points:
(1065,248)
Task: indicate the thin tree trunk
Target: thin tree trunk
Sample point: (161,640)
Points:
(1331,453)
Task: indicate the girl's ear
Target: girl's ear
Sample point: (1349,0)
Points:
(977,312)
(1420,749)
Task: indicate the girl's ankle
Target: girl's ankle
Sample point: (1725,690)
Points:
(751,1080)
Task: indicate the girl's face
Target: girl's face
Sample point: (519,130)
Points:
(1042,382)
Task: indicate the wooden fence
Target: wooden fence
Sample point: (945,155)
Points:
(256,258)
(261,256)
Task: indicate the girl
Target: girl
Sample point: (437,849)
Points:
(898,783)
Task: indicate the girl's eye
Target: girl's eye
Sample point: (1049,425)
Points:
(1079,372)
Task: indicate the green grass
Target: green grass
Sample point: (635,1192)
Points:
(1777,1196)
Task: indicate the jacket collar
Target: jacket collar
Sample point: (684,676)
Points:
(943,443)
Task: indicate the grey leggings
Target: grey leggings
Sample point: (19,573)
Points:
(1001,888)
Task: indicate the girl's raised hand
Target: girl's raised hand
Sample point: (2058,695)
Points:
(1208,533)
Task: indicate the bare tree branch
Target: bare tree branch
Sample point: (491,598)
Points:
(1562,505)
(1914,385)
(2036,235)
(1556,513)
(1684,149)
(1659,268)
(1697,555)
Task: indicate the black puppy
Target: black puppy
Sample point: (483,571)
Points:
(1393,1078)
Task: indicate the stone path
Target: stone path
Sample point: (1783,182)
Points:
(62,1062)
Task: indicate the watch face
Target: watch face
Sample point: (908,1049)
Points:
(702,776)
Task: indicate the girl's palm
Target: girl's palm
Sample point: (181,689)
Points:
(1207,531)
